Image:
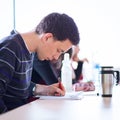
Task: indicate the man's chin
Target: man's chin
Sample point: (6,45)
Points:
(42,59)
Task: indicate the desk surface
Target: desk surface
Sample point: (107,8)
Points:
(89,108)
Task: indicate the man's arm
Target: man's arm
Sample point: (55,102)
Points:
(3,107)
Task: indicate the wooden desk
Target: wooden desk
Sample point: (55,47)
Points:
(89,108)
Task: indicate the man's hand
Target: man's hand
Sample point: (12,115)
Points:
(50,89)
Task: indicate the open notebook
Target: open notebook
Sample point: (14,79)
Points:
(68,96)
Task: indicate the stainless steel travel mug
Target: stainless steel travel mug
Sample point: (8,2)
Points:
(107,81)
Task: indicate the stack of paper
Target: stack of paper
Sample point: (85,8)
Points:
(68,96)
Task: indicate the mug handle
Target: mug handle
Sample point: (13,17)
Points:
(117,77)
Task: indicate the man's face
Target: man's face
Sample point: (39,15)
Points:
(51,49)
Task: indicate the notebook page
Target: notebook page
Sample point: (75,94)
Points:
(68,96)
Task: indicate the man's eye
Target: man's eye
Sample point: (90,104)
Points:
(59,51)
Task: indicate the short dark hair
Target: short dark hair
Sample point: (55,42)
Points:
(61,26)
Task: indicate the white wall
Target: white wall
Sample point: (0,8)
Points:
(6,17)
(97,20)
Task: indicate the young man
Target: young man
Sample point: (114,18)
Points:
(54,35)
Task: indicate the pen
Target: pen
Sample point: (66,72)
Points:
(91,94)
(60,85)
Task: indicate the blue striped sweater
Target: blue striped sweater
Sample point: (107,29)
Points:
(15,69)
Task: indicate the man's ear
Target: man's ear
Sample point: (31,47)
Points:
(47,36)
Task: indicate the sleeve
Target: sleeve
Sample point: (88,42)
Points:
(44,71)
(78,71)
(6,72)
(3,107)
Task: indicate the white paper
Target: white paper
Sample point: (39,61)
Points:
(68,96)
